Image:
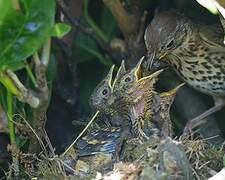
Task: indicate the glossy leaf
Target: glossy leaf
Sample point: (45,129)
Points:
(60,29)
(22,33)
(5,8)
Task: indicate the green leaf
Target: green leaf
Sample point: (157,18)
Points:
(60,29)
(5,8)
(22,33)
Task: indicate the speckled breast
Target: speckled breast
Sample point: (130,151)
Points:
(203,70)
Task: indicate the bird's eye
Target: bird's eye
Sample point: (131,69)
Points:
(170,44)
(128,79)
(105,91)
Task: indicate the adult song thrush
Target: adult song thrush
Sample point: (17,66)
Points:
(195,51)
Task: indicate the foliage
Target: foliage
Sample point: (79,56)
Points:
(24,27)
(23,32)
(88,55)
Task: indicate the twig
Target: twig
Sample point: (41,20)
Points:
(41,66)
(92,23)
(24,94)
(142,27)
(104,45)
(38,138)
(49,144)
(63,154)
(127,22)
(66,165)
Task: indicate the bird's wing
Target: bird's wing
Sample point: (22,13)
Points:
(213,34)
(98,141)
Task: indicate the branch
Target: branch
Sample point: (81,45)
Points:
(23,94)
(92,23)
(103,45)
(127,22)
(41,66)
(39,113)
(142,27)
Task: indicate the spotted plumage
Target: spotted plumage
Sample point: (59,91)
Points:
(195,51)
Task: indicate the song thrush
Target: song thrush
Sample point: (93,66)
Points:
(132,95)
(143,111)
(147,108)
(106,101)
(102,99)
(99,99)
(195,51)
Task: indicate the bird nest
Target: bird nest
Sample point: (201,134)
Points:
(182,158)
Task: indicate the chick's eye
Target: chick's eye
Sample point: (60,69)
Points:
(128,79)
(105,91)
(170,44)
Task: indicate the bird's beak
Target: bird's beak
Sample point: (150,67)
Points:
(143,85)
(164,54)
(151,60)
(173,91)
(168,97)
(109,76)
(120,72)
(151,77)
(137,68)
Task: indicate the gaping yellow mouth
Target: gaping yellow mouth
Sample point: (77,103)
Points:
(161,56)
(138,68)
(138,71)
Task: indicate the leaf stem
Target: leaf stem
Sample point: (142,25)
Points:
(101,58)
(15,163)
(29,72)
(8,83)
(92,23)
(3,97)
(11,125)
